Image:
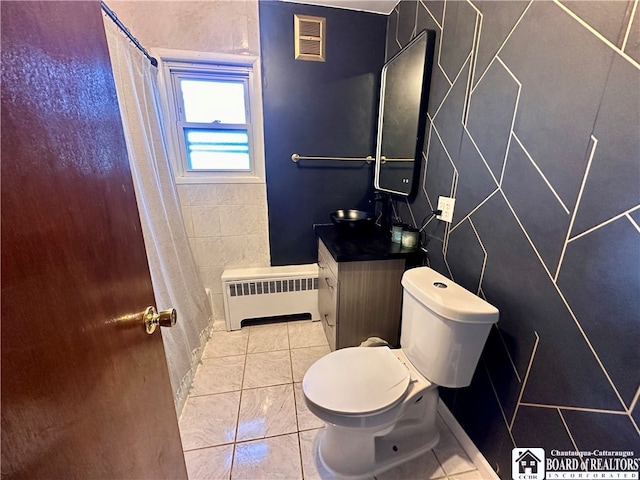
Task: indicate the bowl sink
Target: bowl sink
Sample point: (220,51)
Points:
(355,219)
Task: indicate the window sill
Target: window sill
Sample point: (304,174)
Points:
(207,179)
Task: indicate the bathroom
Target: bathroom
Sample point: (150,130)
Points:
(548,95)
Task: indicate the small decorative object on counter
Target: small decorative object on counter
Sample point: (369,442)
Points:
(396,232)
(410,237)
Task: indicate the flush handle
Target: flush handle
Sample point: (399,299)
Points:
(153,319)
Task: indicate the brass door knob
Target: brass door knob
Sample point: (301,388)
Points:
(153,319)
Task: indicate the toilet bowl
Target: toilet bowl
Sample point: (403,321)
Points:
(379,405)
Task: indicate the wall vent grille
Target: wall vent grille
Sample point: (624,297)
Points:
(310,36)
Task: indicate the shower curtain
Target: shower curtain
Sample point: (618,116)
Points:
(173,271)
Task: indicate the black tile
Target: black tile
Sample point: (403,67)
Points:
(599,277)
(435,7)
(606,17)
(424,21)
(435,257)
(539,427)
(557,108)
(475,182)
(457,36)
(477,410)
(491,112)
(439,172)
(564,371)
(539,211)
(465,257)
(498,19)
(392,28)
(633,41)
(507,283)
(602,431)
(613,183)
(406,21)
(448,119)
(501,371)
(438,88)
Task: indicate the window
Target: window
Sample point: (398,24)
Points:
(214,116)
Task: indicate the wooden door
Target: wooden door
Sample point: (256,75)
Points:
(85,391)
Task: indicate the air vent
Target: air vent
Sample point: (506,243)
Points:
(309,38)
(273,286)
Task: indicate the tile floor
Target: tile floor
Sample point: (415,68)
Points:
(245,417)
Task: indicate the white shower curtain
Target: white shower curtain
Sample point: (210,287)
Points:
(173,271)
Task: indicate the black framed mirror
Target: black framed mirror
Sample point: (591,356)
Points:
(402,115)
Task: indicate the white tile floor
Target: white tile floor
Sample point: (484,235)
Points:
(245,417)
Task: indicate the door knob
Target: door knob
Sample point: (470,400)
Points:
(153,319)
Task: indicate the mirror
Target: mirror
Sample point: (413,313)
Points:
(402,115)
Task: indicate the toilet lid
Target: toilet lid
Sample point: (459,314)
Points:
(356,380)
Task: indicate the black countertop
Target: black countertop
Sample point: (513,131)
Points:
(350,245)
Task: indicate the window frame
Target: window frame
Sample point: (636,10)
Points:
(189,64)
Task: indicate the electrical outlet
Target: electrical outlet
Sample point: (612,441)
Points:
(445,205)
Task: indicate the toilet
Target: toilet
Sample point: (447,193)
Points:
(379,405)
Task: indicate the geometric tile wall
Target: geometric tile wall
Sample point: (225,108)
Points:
(534,127)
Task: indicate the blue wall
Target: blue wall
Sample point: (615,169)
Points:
(534,128)
(317,109)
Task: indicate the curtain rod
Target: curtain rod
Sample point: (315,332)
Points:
(112,15)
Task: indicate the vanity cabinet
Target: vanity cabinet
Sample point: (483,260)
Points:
(359,299)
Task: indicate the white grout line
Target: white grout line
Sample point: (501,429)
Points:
(568,431)
(633,222)
(451,86)
(444,10)
(607,42)
(415,23)
(507,38)
(513,119)
(555,194)
(576,409)
(524,382)
(398,24)
(515,369)
(431,14)
(606,222)
(472,65)
(495,393)
(626,35)
(634,401)
(588,342)
(426,163)
(410,211)
(476,208)
(484,260)
(594,144)
(517,219)
(481,155)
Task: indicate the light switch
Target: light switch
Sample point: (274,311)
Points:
(445,205)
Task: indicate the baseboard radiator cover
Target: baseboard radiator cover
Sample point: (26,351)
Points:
(269,292)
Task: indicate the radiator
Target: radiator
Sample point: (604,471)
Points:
(269,292)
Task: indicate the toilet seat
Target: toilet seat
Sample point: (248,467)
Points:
(357,381)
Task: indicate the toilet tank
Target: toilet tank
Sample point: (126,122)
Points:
(444,327)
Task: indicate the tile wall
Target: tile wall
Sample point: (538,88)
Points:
(227,228)
(534,128)
(226,223)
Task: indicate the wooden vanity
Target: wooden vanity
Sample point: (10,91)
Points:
(360,294)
